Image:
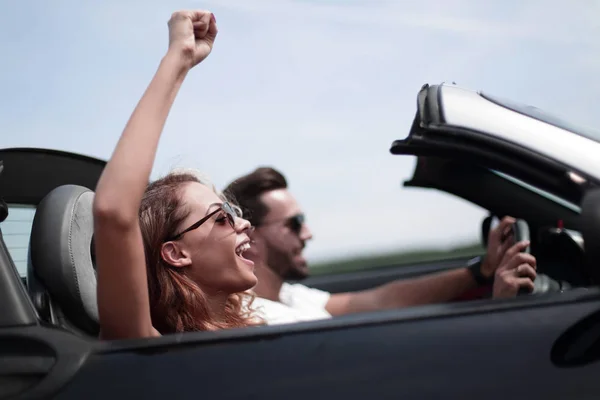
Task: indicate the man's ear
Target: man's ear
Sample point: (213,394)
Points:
(174,255)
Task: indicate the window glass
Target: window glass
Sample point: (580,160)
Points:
(16,230)
(442,227)
(456,235)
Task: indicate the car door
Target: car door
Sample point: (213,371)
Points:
(519,349)
(530,347)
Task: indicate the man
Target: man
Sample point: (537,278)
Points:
(281,235)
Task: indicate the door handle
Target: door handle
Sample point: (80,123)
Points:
(24,362)
(25,365)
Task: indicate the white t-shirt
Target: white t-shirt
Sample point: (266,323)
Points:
(298,303)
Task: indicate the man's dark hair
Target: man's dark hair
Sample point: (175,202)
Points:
(246,191)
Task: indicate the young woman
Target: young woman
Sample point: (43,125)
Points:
(170,255)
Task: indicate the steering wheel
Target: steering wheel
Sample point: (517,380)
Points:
(542,283)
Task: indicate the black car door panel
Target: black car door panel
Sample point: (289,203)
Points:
(485,350)
(37,361)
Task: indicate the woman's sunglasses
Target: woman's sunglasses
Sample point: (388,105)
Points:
(225,207)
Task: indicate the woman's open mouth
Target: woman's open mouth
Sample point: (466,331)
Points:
(241,249)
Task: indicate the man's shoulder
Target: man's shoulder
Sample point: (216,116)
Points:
(274,312)
(297,295)
(298,289)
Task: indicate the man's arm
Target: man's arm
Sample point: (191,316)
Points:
(428,289)
(434,288)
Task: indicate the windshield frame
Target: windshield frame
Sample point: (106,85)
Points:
(541,192)
(543,116)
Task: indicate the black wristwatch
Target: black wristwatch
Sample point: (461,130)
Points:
(474,266)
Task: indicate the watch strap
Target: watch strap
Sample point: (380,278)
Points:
(474,266)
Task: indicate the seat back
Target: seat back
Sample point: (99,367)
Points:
(61,272)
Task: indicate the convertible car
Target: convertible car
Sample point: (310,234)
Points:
(507,158)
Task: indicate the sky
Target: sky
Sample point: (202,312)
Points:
(318,89)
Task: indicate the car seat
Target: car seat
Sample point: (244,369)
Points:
(61,270)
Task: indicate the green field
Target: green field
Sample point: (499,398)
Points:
(394,258)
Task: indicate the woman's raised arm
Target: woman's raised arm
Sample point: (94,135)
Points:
(123,302)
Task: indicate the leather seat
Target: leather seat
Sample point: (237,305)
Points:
(61,273)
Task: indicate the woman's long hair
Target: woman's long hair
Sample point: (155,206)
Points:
(177,304)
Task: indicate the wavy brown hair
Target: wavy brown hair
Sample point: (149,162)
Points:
(177,304)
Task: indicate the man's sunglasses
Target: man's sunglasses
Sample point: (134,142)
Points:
(294,222)
(225,207)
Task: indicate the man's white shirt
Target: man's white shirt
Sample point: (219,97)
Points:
(298,303)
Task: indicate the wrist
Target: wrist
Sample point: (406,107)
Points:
(480,274)
(177,63)
(486,269)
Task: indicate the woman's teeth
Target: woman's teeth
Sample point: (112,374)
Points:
(242,248)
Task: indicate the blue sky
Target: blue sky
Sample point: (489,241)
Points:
(318,89)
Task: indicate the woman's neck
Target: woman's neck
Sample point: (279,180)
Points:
(216,303)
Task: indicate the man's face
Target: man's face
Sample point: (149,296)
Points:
(282,235)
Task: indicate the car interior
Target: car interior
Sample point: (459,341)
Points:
(553,224)
(61,276)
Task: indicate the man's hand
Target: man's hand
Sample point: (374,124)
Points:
(499,241)
(192,35)
(516,271)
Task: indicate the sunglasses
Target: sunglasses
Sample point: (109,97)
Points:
(225,207)
(294,222)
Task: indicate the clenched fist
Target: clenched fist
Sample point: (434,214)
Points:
(499,241)
(192,35)
(517,270)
